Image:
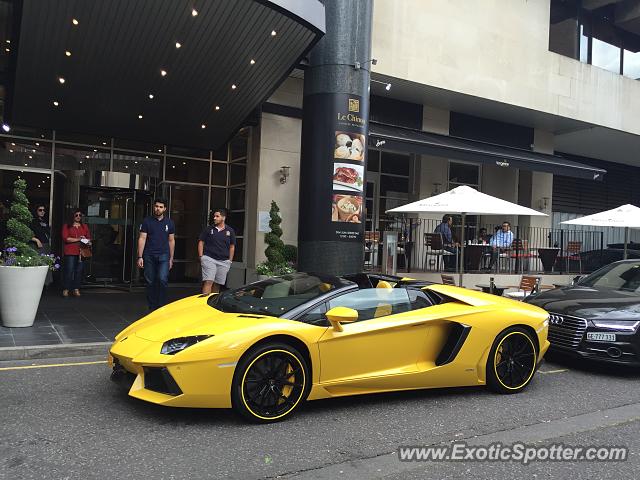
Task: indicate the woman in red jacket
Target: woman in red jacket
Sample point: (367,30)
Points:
(74,234)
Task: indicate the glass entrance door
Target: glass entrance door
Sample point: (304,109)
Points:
(113,216)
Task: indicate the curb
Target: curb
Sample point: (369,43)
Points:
(54,351)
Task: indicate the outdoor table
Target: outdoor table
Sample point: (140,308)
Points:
(473,255)
(548,257)
(497,289)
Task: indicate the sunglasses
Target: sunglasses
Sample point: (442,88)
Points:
(77,215)
(41,209)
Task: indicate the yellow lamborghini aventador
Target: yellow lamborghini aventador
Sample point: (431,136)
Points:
(265,348)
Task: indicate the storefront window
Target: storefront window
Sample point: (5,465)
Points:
(24,153)
(137,164)
(219,173)
(71,157)
(463,174)
(185,170)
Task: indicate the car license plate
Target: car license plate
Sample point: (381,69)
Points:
(601,337)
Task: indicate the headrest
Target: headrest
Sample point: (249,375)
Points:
(383,284)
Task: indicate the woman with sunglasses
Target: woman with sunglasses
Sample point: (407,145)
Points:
(74,234)
(42,235)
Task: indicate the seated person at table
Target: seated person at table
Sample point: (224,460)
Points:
(449,245)
(483,236)
(502,240)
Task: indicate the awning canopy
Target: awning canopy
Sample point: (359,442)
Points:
(177,72)
(388,137)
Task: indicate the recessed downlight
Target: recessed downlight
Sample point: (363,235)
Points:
(194,13)
(140,116)
(203,126)
(217,107)
(273,33)
(61,80)
(163,73)
(67,53)
(75,21)
(178,44)
(151,96)
(252,62)
(233,87)
(55,103)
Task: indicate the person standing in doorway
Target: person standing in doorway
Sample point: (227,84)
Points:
(74,234)
(42,235)
(216,247)
(156,245)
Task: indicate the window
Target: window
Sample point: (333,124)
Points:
(418,299)
(464,174)
(605,55)
(374,302)
(315,316)
(631,65)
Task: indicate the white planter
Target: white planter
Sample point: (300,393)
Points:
(20,291)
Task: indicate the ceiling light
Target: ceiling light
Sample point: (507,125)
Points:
(173,166)
(55,103)
(184,163)
(30,156)
(151,96)
(74,21)
(10,151)
(104,143)
(178,44)
(217,107)
(13,144)
(160,150)
(146,156)
(33,150)
(67,53)
(7,49)
(163,73)
(61,80)
(6,127)
(233,87)
(203,126)
(86,156)
(194,13)
(388,87)
(8,41)
(95,150)
(26,164)
(136,162)
(252,62)
(126,166)
(37,144)
(273,33)
(140,117)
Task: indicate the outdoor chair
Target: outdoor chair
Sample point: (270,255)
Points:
(573,254)
(448,280)
(520,254)
(434,247)
(528,284)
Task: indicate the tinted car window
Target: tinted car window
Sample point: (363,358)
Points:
(618,276)
(374,302)
(315,316)
(418,299)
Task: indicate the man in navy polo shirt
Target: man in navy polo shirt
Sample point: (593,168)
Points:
(156,244)
(216,247)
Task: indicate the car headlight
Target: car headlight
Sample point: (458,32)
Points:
(175,345)
(617,325)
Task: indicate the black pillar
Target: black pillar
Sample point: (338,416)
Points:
(334,142)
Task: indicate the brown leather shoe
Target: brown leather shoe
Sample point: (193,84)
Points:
(65,293)
(76,293)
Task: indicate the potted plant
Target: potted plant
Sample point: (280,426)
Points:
(22,269)
(280,257)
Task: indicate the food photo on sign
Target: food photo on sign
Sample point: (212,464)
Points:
(349,146)
(346,208)
(348,177)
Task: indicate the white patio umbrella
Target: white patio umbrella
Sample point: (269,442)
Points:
(465,201)
(627,216)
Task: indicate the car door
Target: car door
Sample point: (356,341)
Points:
(385,341)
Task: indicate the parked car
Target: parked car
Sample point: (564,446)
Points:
(598,316)
(265,348)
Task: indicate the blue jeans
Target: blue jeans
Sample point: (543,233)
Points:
(156,276)
(72,272)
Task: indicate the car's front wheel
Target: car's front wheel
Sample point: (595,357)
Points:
(270,382)
(512,361)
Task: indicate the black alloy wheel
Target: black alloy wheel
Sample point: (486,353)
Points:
(512,361)
(270,382)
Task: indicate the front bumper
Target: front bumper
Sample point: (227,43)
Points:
(201,381)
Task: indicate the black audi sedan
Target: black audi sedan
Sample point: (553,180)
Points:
(598,317)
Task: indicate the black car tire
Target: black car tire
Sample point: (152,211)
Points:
(270,382)
(512,361)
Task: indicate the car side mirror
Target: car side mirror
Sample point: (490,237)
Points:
(339,315)
(576,279)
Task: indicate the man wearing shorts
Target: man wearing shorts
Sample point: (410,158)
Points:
(216,246)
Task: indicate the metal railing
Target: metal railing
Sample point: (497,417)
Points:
(533,250)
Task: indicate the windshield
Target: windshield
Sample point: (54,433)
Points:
(617,276)
(276,296)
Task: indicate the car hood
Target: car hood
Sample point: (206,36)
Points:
(192,316)
(590,303)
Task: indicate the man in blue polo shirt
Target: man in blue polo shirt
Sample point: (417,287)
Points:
(216,247)
(156,244)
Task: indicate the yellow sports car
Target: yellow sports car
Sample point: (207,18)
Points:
(264,348)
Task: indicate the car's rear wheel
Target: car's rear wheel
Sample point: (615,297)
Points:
(512,361)
(270,382)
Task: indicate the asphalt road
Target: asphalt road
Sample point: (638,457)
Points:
(68,422)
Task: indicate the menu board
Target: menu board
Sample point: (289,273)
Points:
(335,159)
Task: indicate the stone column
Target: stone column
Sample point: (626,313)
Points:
(334,139)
